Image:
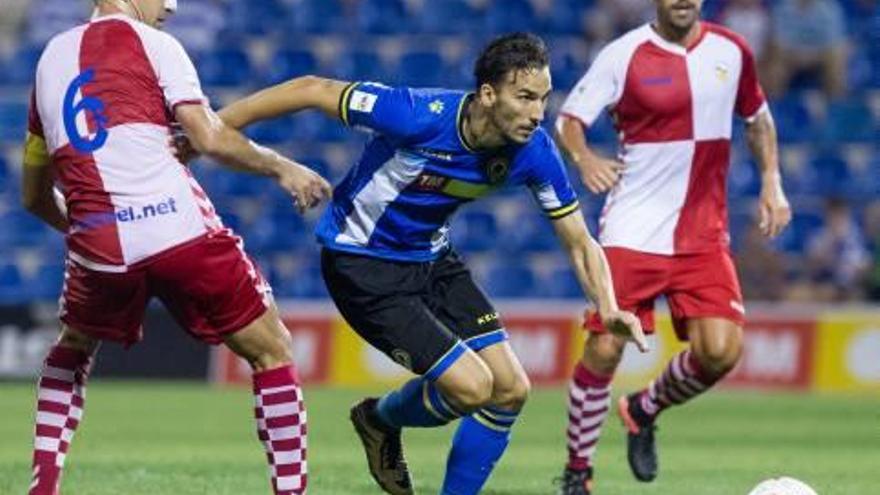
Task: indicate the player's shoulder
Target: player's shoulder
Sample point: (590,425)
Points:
(728,34)
(429,111)
(69,38)
(60,46)
(435,102)
(622,47)
(540,145)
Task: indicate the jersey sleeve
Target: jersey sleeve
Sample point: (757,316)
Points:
(177,75)
(548,180)
(379,108)
(35,151)
(34,124)
(598,89)
(750,99)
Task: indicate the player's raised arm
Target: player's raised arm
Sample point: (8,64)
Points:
(212,137)
(301,93)
(591,269)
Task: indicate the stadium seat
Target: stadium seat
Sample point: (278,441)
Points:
(426,69)
(197,25)
(804,223)
(304,283)
(52,17)
(510,15)
(561,283)
(332,131)
(793,120)
(531,233)
(257,18)
(275,131)
(360,65)
(744,179)
(849,121)
(318,16)
(225,67)
(474,230)
(6,178)
(12,288)
(511,277)
(13,121)
(382,16)
(602,131)
(286,64)
(565,17)
(448,17)
(277,233)
(307,126)
(831,173)
(22,228)
(46,283)
(22,66)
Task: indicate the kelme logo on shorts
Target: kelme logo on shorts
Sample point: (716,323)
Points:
(402,358)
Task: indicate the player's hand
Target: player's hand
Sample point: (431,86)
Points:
(307,188)
(600,175)
(181,147)
(627,325)
(773,209)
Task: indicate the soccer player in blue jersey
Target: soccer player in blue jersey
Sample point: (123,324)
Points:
(388,263)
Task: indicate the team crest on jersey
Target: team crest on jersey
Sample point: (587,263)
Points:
(436,106)
(497,169)
(722,72)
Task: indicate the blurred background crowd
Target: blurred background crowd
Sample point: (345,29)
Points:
(819,61)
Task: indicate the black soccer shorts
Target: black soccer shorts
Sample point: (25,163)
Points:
(424,316)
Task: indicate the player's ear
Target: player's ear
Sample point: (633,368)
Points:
(487,94)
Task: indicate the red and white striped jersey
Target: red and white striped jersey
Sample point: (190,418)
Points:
(103,102)
(673,109)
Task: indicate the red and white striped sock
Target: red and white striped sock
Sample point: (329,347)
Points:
(281,426)
(61,394)
(682,380)
(589,398)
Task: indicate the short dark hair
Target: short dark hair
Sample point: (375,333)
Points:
(507,53)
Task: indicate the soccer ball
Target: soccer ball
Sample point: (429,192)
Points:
(782,486)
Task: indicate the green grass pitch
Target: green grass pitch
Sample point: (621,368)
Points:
(187,439)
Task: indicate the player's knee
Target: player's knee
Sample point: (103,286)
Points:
(512,394)
(603,352)
(719,358)
(475,392)
(271,353)
(73,339)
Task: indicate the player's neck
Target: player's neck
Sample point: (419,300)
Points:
(478,130)
(685,38)
(108,8)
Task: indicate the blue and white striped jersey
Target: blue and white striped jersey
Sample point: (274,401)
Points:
(417,169)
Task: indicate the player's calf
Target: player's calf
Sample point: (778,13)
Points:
(482,437)
(278,400)
(60,406)
(468,384)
